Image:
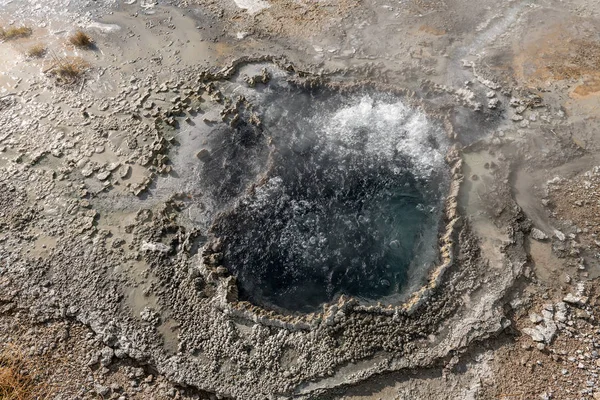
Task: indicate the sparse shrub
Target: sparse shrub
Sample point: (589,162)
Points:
(15,32)
(80,39)
(36,51)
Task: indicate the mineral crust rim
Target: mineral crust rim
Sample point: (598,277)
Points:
(226,298)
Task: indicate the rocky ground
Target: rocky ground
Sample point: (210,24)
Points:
(110,283)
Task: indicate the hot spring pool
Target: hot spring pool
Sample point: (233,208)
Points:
(330,194)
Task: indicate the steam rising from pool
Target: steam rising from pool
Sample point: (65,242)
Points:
(332,194)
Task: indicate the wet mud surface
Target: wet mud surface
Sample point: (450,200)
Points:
(272,199)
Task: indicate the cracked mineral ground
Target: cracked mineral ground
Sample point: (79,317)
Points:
(276,199)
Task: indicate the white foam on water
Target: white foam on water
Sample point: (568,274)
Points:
(382,130)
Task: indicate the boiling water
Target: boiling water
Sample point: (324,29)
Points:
(332,194)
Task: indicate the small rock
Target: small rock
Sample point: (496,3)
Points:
(538,234)
(561,312)
(102,390)
(112,166)
(493,103)
(155,246)
(103,175)
(203,155)
(559,235)
(540,346)
(575,300)
(547,315)
(216,246)
(125,171)
(150,316)
(535,334)
(535,318)
(106,356)
(93,360)
(87,172)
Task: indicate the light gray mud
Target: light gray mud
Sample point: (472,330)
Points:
(109,267)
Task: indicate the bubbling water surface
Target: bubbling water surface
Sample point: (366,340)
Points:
(347,201)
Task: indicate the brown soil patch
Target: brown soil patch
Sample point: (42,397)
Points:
(432,30)
(565,369)
(289,18)
(576,200)
(559,53)
(590,86)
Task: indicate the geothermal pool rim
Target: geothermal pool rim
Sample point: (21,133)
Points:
(227,289)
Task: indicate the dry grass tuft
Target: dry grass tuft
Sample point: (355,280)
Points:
(69,70)
(36,51)
(17,381)
(81,39)
(15,32)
